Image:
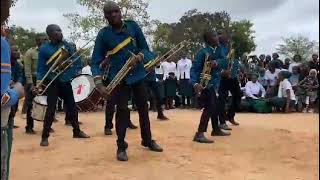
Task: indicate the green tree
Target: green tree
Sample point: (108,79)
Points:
(23,38)
(193,24)
(86,27)
(299,44)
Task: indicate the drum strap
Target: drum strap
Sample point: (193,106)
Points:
(120,46)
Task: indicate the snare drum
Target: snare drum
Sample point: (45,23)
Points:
(85,92)
(39,108)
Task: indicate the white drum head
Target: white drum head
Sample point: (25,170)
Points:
(82,86)
(41,100)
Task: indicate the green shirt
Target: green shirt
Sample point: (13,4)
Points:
(30,60)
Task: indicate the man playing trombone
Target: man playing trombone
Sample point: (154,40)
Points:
(123,40)
(61,86)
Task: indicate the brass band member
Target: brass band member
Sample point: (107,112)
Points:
(61,87)
(208,97)
(119,40)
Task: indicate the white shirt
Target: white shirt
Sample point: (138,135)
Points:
(86,70)
(168,67)
(254,88)
(293,65)
(283,87)
(183,68)
(158,70)
(272,77)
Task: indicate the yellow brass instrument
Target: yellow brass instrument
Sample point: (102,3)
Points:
(205,76)
(120,75)
(62,61)
(166,56)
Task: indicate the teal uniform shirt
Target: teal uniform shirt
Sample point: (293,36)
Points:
(197,66)
(108,39)
(6,74)
(46,51)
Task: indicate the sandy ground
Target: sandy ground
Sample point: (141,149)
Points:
(263,147)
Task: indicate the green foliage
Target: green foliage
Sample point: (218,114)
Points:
(298,45)
(193,24)
(23,38)
(86,27)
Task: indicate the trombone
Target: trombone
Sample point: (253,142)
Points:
(171,52)
(62,62)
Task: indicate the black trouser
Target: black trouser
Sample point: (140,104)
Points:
(155,90)
(226,85)
(121,96)
(109,112)
(29,98)
(64,91)
(208,100)
(12,114)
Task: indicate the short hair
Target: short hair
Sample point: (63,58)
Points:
(5,6)
(49,29)
(207,35)
(314,71)
(108,5)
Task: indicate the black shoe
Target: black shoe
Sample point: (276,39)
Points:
(44,142)
(122,155)
(232,121)
(107,132)
(30,131)
(162,117)
(153,146)
(201,138)
(80,134)
(220,133)
(225,127)
(132,126)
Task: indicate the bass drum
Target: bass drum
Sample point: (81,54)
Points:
(39,108)
(85,92)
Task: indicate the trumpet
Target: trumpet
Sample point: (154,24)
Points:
(205,76)
(167,55)
(62,61)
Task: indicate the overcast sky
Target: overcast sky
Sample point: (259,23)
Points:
(272,19)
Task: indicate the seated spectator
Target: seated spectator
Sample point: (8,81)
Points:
(285,100)
(255,94)
(310,85)
(253,89)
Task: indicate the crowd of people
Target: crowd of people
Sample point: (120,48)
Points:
(251,84)
(259,80)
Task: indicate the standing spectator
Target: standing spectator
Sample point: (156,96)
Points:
(170,79)
(159,80)
(262,59)
(277,61)
(286,63)
(294,79)
(297,59)
(183,76)
(314,63)
(261,78)
(267,61)
(271,76)
(311,85)
(30,70)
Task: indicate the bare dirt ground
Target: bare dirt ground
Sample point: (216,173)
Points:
(263,147)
